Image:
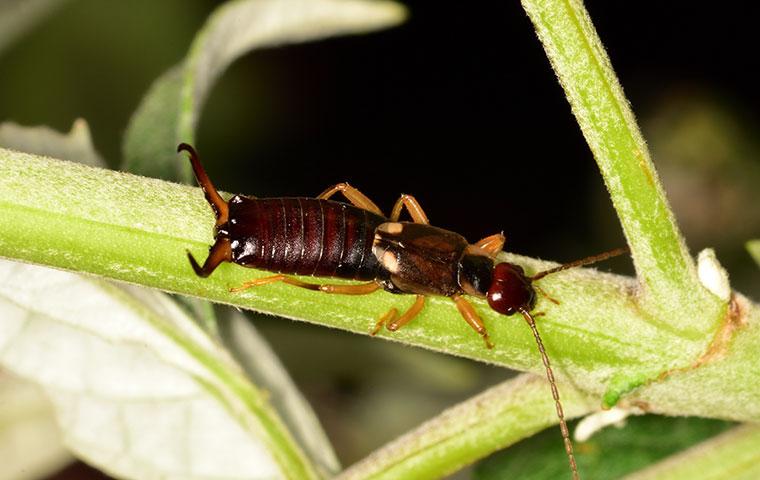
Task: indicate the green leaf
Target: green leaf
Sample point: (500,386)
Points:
(495,419)
(262,366)
(733,455)
(670,288)
(31,446)
(19,16)
(169,113)
(753,246)
(138,388)
(610,454)
(75,146)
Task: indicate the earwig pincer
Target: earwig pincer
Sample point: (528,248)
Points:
(356,241)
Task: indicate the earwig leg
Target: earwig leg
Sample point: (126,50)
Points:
(386,318)
(492,244)
(360,289)
(353,195)
(545,295)
(259,282)
(412,206)
(393,322)
(212,196)
(471,317)
(408,315)
(220,252)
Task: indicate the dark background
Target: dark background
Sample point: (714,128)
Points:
(459,107)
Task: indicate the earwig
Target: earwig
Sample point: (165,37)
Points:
(356,241)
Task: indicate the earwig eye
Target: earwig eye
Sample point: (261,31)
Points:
(510,290)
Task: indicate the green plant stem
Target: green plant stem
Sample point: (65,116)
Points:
(463,434)
(138,230)
(671,291)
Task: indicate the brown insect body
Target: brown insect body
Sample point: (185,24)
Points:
(419,258)
(303,236)
(321,237)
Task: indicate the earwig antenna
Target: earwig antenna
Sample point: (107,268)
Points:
(555,393)
(581,262)
(212,196)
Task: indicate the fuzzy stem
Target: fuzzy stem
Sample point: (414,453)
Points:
(671,291)
(138,230)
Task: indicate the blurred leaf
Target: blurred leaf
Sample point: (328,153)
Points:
(138,388)
(202,312)
(459,436)
(169,112)
(754,249)
(75,146)
(732,455)
(19,16)
(264,368)
(31,446)
(707,154)
(609,454)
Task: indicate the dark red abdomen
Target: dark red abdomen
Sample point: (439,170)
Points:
(304,236)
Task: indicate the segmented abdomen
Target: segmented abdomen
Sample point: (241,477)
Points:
(304,236)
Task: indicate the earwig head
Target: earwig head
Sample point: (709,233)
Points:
(510,290)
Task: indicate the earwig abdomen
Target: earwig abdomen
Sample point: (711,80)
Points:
(303,236)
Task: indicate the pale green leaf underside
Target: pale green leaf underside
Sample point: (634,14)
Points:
(75,146)
(169,112)
(186,411)
(264,369)
(31,446)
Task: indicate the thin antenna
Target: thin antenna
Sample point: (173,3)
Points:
(555,393)
(581,262)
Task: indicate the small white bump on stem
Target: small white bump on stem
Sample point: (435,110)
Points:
(712,275)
